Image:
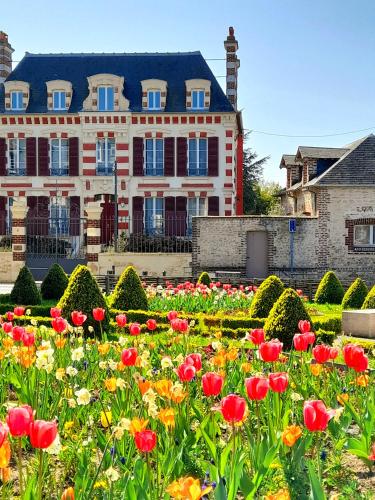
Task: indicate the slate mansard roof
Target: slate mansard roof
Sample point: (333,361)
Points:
(174,68)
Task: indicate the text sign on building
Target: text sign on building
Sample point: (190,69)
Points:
(292,225)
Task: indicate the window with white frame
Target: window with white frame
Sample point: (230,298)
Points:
(197,99)
(106,98)
(105,156)
(17,157)
(364,235)
(154,216)
(154,99)
(154,157)
(16,100)
(59,156)
(197,157)
(59,100)
(195,207)
(59,217)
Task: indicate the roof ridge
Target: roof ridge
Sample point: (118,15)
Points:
(106,54)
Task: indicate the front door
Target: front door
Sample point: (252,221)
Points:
(107,220)
(257,254)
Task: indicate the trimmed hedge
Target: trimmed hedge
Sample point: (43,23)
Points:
(55,283)
(83,294)
(355,295)
(265,297)
(25,290)
(129,292)
(330,290)
(282,322)
(369,302)
(204,279)
(41,310)
(4,298)
(333,324)
(325,336)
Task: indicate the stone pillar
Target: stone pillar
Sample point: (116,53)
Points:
(19,212)
(94,212)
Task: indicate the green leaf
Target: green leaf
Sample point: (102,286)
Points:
(317,492)
(220,491)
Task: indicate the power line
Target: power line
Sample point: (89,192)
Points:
(309,136)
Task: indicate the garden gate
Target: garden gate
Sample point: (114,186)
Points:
(257,254)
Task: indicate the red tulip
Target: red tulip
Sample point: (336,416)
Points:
(212,383)
(135,329)
(315,415)
(311,337)
(355,357)
(278,381)
(17,333)
(304,326)
(301,341)
(257,387)
(10,316)
(19,311)
(195,360)
(145,441)
(186,372)
(321,353)
(59,324)
(7,327)
(333,353)
(78,318)
(180,325)
(256,336)
(55,312)
(172,315)
(19,420)
(269,351)
(42,433)
(98,313)
(151,324)
(3,433)
(28,339)
(233,408)
(121,320)
(129,356)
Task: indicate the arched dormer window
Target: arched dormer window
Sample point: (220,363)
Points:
(17,95)
(105,93)
(59,95)
(154,94)
(198,94)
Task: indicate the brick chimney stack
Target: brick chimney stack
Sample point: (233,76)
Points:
(5,57)
(233,63)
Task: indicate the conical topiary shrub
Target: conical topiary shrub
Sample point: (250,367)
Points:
(355,295)
(369,302)
(265,297)
(204,279)
(55,283)
(25,292)
(330,290)
(282,322)
(83,294)
(129,292)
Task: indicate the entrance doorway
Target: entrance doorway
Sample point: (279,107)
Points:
(257,254)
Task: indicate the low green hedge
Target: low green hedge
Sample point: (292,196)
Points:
(325,336)
(39,320)
(333,324)
(41,310)
(4,298)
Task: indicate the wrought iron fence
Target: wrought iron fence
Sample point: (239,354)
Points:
(6,240)
(157,234)
(59,237)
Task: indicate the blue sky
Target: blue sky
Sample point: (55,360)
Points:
(307,66)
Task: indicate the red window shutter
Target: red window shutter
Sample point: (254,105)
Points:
(31,156)
(170,215)
(43,156)
(181,156)
(213,156)
(169,156)
(73,156)
(3,214)
(43,215)
(137,215)
(138,156)
(3,157)
(181,215)
(74,215)
(213,205)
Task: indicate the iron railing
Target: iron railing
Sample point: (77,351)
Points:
(6,239)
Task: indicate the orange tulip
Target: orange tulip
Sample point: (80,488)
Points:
(282,494)
(104,348)
(187,488)
(110,384)
(144,385)
(5,474)
(137,425)
(362,380)
(163,388)
(342,398)
(166,416)
(316,369)
(291,434)
(4,454)
(68,494)
(60,342)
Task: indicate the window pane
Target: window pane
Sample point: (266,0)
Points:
(112,153)
(110,99)
(55,155)
(22,156)
(16,100)
(159,167)
(157,100)
(195,99)
(202,206)
(64,156)
(101,98)
(202,156)
(201,99)
(12,156)
(149,156)
(150,99)
(362,235)
(62,100)
(193,157)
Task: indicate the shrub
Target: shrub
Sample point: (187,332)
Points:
(25,291)
(330,290)
(265,297)
(129,292)
(355,295)
(282,322)
(5,298)
(325,336)
(55,283)
(204,279)
(369,302)
(39,310)
(83,294)
(332,323)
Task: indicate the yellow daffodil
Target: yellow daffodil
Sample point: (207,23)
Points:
(106,418)
(110,384)
(166,416)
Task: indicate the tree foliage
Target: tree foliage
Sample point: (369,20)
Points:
(265,297)
(330,290)
(129,293)
(355,295)
(55,283)
(25,292)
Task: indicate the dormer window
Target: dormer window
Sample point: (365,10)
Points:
(197,99)
(59,100)
(198,94)
(106,98)
(16,100)
(153,98)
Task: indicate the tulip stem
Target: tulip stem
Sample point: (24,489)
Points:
(258,417)
(40,474)
(20,466)
(234,456)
